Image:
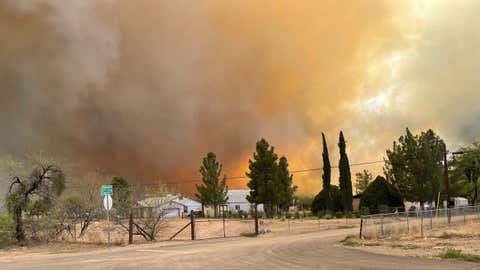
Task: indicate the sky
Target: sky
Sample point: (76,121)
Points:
(144,89)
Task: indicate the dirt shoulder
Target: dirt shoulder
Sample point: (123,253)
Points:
(460,242)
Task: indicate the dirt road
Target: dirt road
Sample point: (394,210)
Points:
(319,250)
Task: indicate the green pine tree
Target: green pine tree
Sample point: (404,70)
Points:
(345,176)
(213,191)
(264,183)
(326,176)
(122,196)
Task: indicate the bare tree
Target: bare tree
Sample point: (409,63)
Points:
(35,181)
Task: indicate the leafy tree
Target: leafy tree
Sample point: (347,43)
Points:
(466,172)
(285,180)
(362,179)
(345,176)
(213,191)
(319,203)
(122,195)
(379,193)
(414,166)
(304,202)
(264,184)
(326,176)
(36,182)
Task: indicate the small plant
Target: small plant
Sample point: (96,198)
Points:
(456,254)
(248,234)
(339,215)
(297,215)
(364,211)
(350,241)
(405,247)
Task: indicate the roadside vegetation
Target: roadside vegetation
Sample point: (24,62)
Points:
(451,253)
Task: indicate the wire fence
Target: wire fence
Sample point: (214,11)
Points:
(421,222)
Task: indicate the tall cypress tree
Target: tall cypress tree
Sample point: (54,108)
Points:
(326,177)
(285,180)
(345,176)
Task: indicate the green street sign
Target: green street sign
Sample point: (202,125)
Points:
(107,190)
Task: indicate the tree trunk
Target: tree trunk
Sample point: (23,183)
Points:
(215,210)
(19,230)
(475,195)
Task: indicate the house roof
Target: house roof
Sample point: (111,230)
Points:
(168,199)
(238,195)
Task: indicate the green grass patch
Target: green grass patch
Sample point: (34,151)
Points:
(405,247)
(248,234)
(345,227)
(350,241)
(456,254)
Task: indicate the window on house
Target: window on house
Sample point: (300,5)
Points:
(237,207)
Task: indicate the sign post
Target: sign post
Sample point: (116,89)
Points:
(107,191)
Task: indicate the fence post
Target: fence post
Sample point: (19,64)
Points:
(449,215)
(192,224)
(223,217)
(130,228)
(431,221)
(256,220)
(421,224)
(381,226)
(361,226)
(408,224)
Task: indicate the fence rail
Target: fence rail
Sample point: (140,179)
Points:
(415,222)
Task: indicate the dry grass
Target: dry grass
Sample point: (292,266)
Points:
(439,242)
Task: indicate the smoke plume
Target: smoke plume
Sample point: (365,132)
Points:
(146,88)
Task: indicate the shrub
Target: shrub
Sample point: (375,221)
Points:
(327,216)
(379,193)
(451,253)
(319,202)
(364,211)
(248,234)
(338,214)
(297,215)
(382,208)
(6,230)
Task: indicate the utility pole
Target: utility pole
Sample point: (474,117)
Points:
(445,173)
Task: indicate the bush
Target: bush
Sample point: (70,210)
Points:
(319,202)
(364,211)
(339,214)
(451,253)
(297,215)
(379,193)
(248,234)
(382,208)
(6,230)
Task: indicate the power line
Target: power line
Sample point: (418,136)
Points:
(236,178)
(292,172)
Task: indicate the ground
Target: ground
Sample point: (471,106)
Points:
(307,250)
(464,238)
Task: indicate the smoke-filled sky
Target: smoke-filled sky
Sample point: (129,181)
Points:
(145,88)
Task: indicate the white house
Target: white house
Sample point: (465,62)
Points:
(172,205)
(237,200)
